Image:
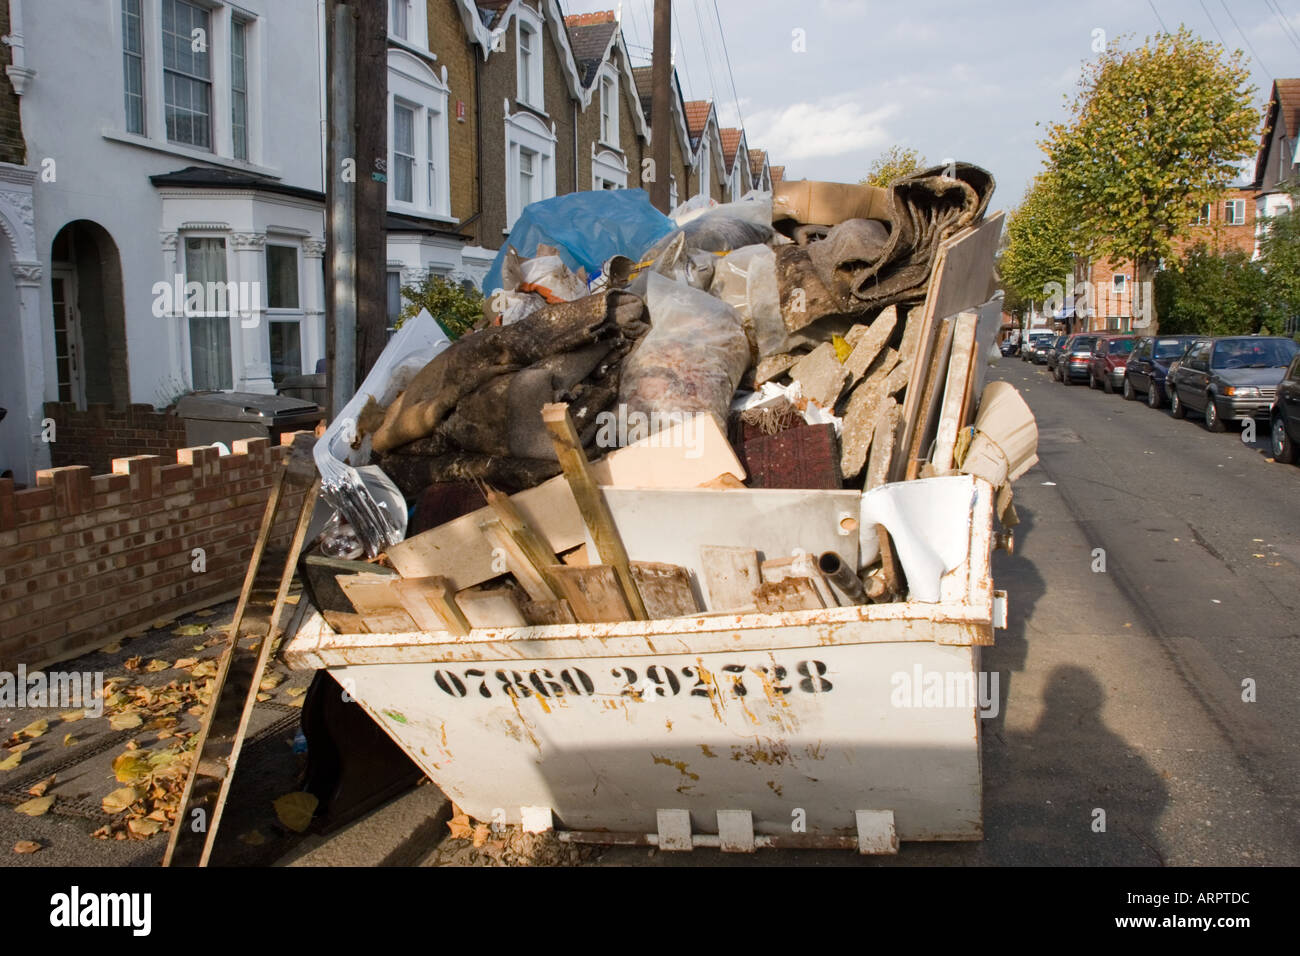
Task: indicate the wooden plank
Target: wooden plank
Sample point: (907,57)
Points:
(431,604)
(591,504)
(490,608)
(534,547)
(918,441)
(549,612)
(954,391)
(594,593)
(730,574)
(458,551)
(960,278)
(518,562)
(377,603)
(665,589)
(792,594)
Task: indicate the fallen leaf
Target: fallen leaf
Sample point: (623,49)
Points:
(72,716)
(191,630)
(297,701)
(460,827)
(143,826)
(185,663)
(69,740)
(271,682)
(295,810)
(38,789)
(156,665)
(36,808)
(253,838)
(296,691)
(119,800)
(12,761)
(26,846)
(206,612)
(263,697)
(480,834)
(21,748)
(159,625)
(131,766)
(206,668)
(132,663)
(125,720)
(35,728)
(112,648)
(292,598)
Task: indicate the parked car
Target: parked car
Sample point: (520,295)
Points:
(1149,364)
(1109,357)
(1009,347)
(1284,416)
(1054,352)
(1230,378)
(1032,340)
(1076,354)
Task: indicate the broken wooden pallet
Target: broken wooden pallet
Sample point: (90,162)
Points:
(234,693)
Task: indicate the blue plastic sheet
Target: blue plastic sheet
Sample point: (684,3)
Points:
(587,228)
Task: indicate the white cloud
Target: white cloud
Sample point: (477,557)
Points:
(826,128)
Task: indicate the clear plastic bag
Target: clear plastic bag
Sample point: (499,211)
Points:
(746,280)
(722,228)
(690,361)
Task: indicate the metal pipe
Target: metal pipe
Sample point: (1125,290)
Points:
(841,577)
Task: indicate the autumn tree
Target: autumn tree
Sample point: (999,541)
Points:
(1152,134)
(1040,242)
(894,163)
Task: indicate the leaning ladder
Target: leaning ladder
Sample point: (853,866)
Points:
(261,604)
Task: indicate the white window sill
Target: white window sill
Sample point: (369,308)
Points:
(402,209)
(132,139)
(410,47)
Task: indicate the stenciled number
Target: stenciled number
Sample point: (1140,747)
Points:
(814,679)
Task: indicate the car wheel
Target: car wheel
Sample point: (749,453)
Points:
(1213,420)
(1176,406)
(1107,386)
(1128,393)
(1065,378)
(1153,395)
(1284,449)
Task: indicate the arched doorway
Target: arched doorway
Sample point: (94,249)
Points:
(89,316)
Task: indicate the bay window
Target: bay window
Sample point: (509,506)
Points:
(209,328)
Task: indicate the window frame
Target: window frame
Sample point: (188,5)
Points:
(413,85)
(1118,282)
(524,130)
(610,116)
(531,82)
(209,82)
(183,264)
(296,249)
(1234,212)
(139,58)
(413,111)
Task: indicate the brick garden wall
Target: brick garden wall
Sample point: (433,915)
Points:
(84,559)
(99,435)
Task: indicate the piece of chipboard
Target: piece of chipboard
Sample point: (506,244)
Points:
(730,576)
(954,391)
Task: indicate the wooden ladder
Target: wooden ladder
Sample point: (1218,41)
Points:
(261,604)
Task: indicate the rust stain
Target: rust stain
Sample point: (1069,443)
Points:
(774,753)
(704,749)
(678,765)
(815,751)
(711,685)
(514,702)
(669,725)
(542,701)
(776,788)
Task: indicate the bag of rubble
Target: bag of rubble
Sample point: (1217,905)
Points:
(690,361)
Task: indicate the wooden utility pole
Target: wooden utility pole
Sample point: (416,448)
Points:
(356,192)
(661,118)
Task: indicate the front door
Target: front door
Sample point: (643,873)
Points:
(68,347)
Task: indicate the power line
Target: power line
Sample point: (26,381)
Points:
(731,76)
(681,45)
(1246,38)
(1160,19)
(1287,29)
(1213,24)
(708,60)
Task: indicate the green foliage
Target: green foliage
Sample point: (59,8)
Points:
(894,163)
(1280,256)
(1205,293)
(1039,241)
(1152,134)
(454,307)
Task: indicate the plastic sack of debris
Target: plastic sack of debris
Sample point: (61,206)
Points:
(746,280)
(690,361)
(586,229)
(681,264)
(725,227)
(550,278)
(338,452)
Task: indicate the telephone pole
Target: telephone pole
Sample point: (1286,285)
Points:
(661,131)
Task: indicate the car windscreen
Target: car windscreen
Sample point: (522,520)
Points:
(1169,348)
(1121,346)
(1253,353)
(1084,343)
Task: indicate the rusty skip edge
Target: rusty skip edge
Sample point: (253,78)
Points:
(960,619)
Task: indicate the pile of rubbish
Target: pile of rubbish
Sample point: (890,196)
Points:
(771,404)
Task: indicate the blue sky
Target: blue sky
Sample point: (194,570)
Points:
(963,80)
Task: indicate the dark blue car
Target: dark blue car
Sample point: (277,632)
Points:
(1149,364)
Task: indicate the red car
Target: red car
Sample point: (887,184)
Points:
(1107,366)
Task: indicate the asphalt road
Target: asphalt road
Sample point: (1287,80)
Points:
(1123,689)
